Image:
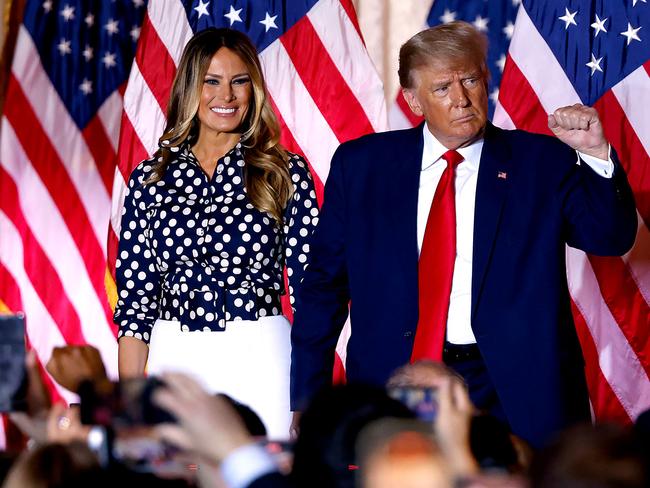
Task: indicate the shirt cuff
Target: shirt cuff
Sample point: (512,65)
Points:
(138,330)
(604,168)
(246,464)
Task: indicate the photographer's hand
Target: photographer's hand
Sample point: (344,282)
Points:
(452,425)
(207,424)
(64,425)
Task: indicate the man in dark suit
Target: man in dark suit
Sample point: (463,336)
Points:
(448,242)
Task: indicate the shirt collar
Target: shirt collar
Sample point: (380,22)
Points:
(434,149)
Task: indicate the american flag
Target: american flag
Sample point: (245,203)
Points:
(546,54)
(86,101)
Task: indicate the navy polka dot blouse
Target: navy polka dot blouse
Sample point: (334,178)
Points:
(195,250)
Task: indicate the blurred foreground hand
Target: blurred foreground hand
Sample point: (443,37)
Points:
(71,365)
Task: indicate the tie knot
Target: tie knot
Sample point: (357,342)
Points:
(453,158)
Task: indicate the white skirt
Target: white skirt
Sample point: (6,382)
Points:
(249,361)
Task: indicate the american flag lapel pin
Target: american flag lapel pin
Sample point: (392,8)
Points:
(502,174)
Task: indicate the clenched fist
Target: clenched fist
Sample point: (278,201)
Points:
(579,127)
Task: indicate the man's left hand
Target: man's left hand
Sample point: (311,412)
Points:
(579,127)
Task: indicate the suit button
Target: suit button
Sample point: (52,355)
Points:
(408,333)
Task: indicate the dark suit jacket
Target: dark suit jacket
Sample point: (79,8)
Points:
(365,250)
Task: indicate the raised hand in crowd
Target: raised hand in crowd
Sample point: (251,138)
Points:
(71,365)
(64,425)
(207,424)
(452,426)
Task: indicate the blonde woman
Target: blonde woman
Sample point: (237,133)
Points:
(209,223)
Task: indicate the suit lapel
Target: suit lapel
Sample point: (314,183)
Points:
(494,178)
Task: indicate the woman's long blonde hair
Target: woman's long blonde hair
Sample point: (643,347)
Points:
(267,179)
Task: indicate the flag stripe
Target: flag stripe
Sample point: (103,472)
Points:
(638,259)
(143,111)
(348,6)
(54,240)
(537,62)
(632,315)
(39,268)
(605,403)
(288,141)
(109,114)
(335,30)
(131,151)
(155,64)
(618,362)
(633,93)
(308,126)
(531,114)
(633,156)
(63,138)
(102,150)
(42,332)
(52,173)
(327,87)
(170,22)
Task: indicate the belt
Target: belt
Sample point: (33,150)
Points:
(460,352)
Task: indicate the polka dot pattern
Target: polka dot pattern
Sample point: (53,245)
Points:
(194,249)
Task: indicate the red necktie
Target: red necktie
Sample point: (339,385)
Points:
(436,266)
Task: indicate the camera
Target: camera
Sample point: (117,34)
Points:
(122,405)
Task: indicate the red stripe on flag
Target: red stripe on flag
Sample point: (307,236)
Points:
(626,303)
(630,151)
(325,83)
(338,375)
(415,120)
(521,101)
(51,170)
(606,405)
(646,66)
(131,150)
(102,150)
(9,289)
(38,267)
(348,6)
(155,63)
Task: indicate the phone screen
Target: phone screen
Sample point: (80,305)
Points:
(13,377)
(422,401)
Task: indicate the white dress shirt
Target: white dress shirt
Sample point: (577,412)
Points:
(459,327)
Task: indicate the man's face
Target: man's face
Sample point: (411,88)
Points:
(452,97)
